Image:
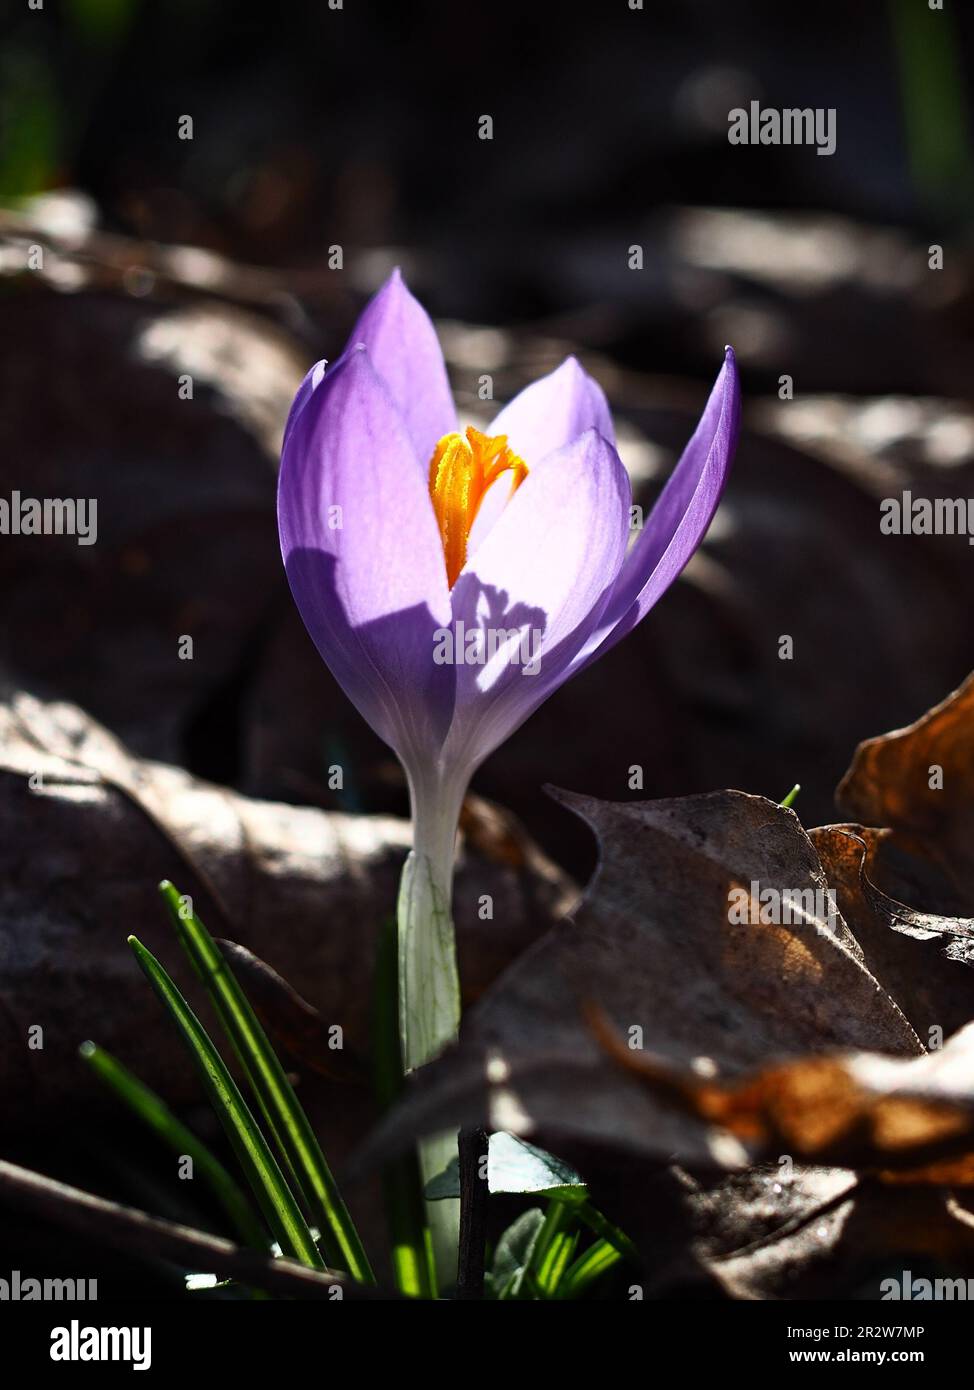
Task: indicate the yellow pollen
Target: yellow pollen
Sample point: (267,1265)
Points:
(461,470)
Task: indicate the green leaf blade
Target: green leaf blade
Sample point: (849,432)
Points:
(262,1170)
(597,1260)
(413,1265)
(275,1094)
(155,1114)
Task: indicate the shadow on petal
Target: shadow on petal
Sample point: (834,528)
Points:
(494,698)
(385,666)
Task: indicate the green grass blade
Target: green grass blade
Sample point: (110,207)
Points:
(274,1092)
(272,1192)
(155,1114)
(557,1259)
(596,1261)
(412,1247)
(546,1251)
(605,1230)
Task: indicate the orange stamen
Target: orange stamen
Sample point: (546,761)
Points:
(461,470)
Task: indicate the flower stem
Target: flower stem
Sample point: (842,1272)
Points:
(429,985)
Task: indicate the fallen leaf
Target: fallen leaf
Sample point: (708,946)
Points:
(914,953)
(913,1118)
(654,949)
(919,783)
(813,1233)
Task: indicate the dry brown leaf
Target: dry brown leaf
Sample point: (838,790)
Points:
(839,1237)
(653,948)
(913,1118)
(914,953)
(889,784)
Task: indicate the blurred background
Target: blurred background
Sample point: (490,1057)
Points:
(356,129)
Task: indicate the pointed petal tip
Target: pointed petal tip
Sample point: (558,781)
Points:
(554,410)
(682,514)
(395,283)
(593,435)
(405,352)
(355,357)
(572,367)
(312,380)
(394,277)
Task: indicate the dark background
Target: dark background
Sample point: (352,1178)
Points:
(358,128)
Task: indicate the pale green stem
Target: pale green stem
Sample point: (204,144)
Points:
(429,988)
(429,985)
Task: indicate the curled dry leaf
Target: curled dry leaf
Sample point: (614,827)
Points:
(919,782)
(912,1119)
(656,950)
(914,953)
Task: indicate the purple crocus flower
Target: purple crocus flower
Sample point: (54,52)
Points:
(453,581)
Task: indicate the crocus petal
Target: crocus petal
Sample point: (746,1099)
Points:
(305,391)
(680,518)
(405,351)
(547,567)
(554,411)
(369,579)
